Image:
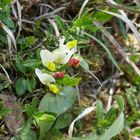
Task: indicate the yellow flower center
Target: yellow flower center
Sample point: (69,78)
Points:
(51,66)
(72,44)
(53,88)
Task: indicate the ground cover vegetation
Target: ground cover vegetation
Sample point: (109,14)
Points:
(69,70)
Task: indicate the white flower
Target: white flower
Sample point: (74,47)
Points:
(60,56)
(64,52)
(47,79)
(44,77)
(47,59)
(61,41)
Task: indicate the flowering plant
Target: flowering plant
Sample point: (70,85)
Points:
(53,61)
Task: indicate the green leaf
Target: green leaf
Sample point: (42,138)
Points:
(63,121)
(30,40)
(43,117)
(31,63)
(114,129)
(137,131)
(3,110)
(20,86)
(3,38)
(26,42)
(31,135)
(44,127)
(135,58)
(83,63)
(15,138)
(85,20)
(100,16)
(58,104)
(20,66)
(6,20)
(26,127)
(111,115)
(61,24)
(93,137)
(7,1)
(99,111)
(26,133)
(71,81)
(29,110)
(53,134)
(106,49)
(120,102)
(31,84)
(4,85)
(35,101)
(103,123)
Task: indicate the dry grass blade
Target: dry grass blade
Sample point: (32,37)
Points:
(14,11)
(113,2)
(83,114)
(82,8)
(94,77)
(9,45)
(17,14)
(124,17)
(110,98)
(57,33)
(50,13)
(10,34)
(126,20)
(19,18)
(118,47)
(14,1)
(6,74)
(137,2)
(118,6)
(105,47)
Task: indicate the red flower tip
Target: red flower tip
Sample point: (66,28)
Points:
(59,75)
(74,62)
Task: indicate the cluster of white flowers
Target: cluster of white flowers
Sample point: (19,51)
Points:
(59,56)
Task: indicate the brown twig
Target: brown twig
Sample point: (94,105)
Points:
(118,6)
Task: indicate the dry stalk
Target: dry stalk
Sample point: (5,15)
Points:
(118,48)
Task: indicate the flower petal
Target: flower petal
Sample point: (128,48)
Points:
(44,77)
(66,58)
(53,88)
(72,44)
(46,57)
(61,40)
(51,66)
(62,46)
(62,57)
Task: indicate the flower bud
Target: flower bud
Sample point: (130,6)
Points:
(59,75)
(74,62)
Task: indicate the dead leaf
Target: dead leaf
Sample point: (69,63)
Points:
(13,120)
